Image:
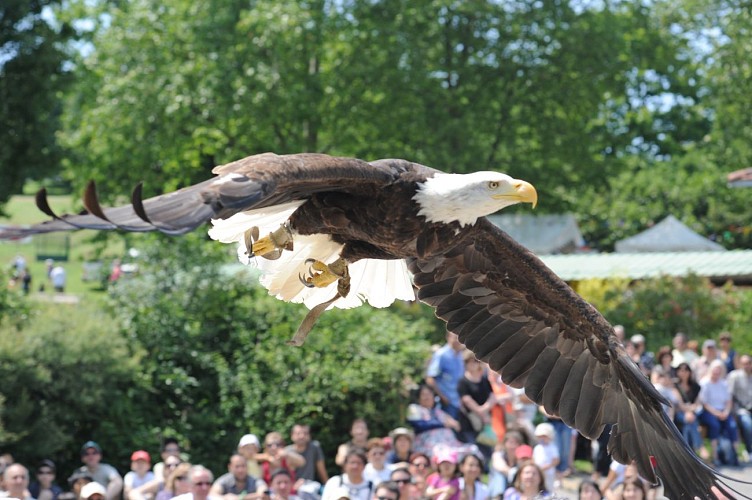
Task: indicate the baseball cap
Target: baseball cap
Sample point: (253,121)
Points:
(523,451)
(637,339)
(140,455)
(249,439)
(708,343)
(90,444)
(92,488)
(545,429)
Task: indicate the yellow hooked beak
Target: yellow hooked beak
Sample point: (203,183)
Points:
(524,192)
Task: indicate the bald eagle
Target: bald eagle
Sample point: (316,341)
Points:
(337,232)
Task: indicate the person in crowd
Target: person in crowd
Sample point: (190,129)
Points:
(156,486)
(77,481)
(740,387)
(663,384)
(58,278)
(312,453)
(200,479)
(281,487)
(276,456)
(664,358)
(177,481)
(359,439)
(563,442)
(237,484)
(620,333)
(249,446)
(139,475)
(403,479)
(387,490)
(472,486)
(641,356)
(701,365)
(444,483)
(376,470)
(503,410)
(402,446)
(528,484)
(444,373)
(615,477)
(352,479)
(632,489)
(716,414)
(504,463)
(726,353)
(432,426)
(682,353)
(104,474)
(476,401)
(588,490)
(16,482)
(93,491)
(545,453)
(689,407)
(420,468)
(170,448)
(45,488)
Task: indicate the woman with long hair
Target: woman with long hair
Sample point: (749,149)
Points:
(689,408)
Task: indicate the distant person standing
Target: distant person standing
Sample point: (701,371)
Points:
(57,276)
(445,371)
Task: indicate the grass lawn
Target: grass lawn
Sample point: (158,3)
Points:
(84,246)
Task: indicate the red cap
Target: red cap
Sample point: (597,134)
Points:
(523,451)
(140,455)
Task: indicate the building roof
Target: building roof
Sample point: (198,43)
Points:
(740,178)
(542,234)
(735,265)
(669,235)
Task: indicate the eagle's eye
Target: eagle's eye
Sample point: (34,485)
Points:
(493,184)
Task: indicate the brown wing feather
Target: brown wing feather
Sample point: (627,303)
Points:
(517,315)
(254,182)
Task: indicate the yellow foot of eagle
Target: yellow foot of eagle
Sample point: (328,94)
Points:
(321,275)
(269,247)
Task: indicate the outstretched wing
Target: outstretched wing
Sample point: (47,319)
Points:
(517,315)
(258,181)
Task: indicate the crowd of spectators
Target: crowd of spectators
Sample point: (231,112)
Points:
(466,436)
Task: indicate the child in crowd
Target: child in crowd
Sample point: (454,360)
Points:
(444,484)
(140,473)
(545,453)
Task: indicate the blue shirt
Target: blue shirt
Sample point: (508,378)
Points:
(447,367)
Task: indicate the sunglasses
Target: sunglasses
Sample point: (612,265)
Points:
(180,478)
(171,466)
(385,498)
(401,481)
(202,483)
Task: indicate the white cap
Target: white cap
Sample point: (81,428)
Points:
(249,439)
(545,429)
(92,488)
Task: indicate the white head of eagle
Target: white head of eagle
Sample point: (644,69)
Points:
(464,198)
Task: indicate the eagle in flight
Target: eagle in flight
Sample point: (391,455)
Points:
(337,232)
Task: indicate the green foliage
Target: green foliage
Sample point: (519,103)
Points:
(14,309)
(67,379)
(660,307)
(31,75)
(219,365)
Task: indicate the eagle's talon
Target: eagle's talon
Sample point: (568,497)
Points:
(306,282)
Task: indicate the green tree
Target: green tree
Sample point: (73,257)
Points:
(32,73)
